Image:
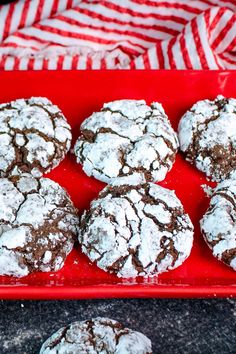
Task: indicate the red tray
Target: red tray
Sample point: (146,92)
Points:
(78,94)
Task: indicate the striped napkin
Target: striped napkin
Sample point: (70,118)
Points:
(118,34)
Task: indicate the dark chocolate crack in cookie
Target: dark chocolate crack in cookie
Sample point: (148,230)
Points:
(136,230)
(128,140)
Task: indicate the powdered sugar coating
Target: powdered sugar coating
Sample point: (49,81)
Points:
(207,135)
(129,140)
(38,225)
(34,136)
(97,336)
(218,225)
(136,230)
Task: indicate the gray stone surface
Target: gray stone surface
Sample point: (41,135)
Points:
(174,326)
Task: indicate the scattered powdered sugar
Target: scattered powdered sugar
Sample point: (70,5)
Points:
(136,230)
(218,225)
(35,136)
(207,190)
(97,336)
(207,134)
(129,140)
(38,223)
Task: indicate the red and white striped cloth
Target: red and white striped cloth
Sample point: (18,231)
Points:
(118,34)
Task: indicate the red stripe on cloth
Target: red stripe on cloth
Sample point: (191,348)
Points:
(160,55)
(231,46)
(224,32)
(208,2)
(29,37)
(170,53)
(8,20)
(75,61)
(210,28)
(218,63)
(218,3)
(229,1)
(54,7)
(30,65)
(81,35)
(132,64)
(207,19)
(227,59)
(168,5)
(39,11)
(185,53)
(45,64)
(105,29)
(216,19)
(200,49)
(15,46)
(3,62)
(60,61)
(146,61)
(129,51)
(16,65)
(103,64)
(11,45)
(89,63)
(24,14)
(103,18)
(69,4)
(131,12)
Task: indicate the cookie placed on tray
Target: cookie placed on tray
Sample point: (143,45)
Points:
(218,225)
(96,336)
(128,140)
(38,225)
(35,137)
(136,230)
(207,135)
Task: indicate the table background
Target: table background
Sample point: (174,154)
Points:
(174,326)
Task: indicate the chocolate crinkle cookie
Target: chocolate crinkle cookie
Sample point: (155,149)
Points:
(128,140)
(38,225)
(218,225)
(97,336)
(207,135)
(34,137)
(136,230)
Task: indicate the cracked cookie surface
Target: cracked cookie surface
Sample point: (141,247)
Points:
(136,230)
(38,225)
(34,137)
(97,336)
(128,140)
(207,135)
(218,225)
